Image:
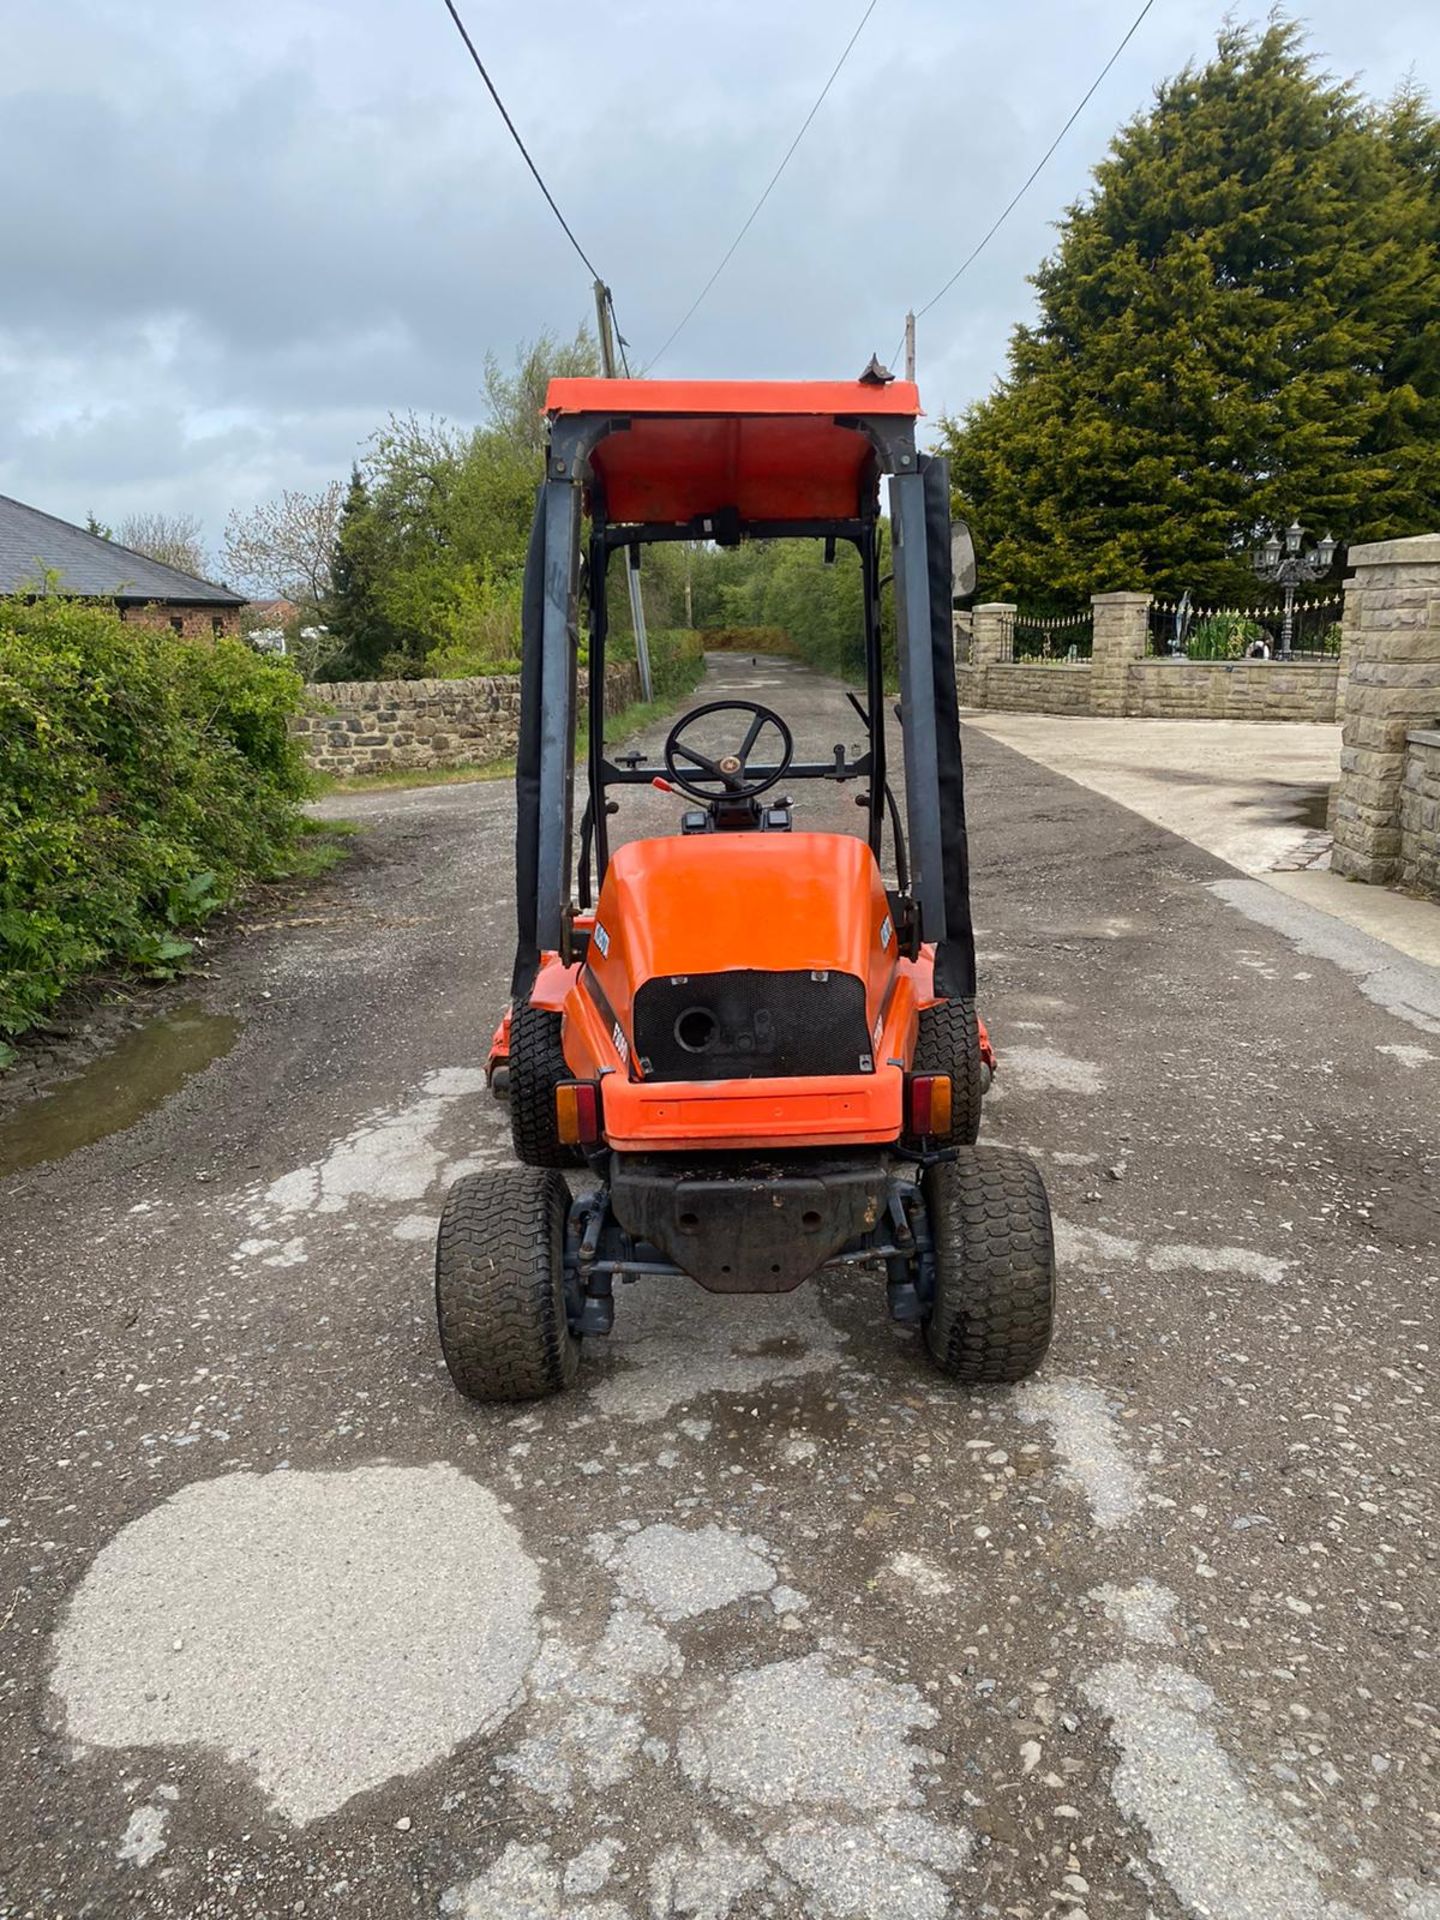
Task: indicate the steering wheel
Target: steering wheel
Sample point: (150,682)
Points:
(724,776)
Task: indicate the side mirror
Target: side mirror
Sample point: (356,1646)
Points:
(962,560)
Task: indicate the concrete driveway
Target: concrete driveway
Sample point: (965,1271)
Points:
(765,1618)
(1251,792)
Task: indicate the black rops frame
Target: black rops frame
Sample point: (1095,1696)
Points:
(934,780)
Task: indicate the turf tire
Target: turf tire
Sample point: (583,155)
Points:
(537,1066)
(948,1041)
(499,1285)
(994,1303)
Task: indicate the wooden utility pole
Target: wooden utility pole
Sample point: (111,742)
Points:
(603,329)
(632,574)
(910,346)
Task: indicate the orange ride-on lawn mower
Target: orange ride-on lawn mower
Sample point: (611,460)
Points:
(764,1050)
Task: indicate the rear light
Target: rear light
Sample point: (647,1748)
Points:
(927,1104)
(577,1113)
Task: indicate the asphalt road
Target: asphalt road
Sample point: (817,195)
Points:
(765,1618)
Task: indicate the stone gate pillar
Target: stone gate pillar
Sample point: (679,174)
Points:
(1121,635)
(1392,644)
(990,625)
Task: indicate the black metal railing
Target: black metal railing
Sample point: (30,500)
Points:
(1180,630)
(1047,639)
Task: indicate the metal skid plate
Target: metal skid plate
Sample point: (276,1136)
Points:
(748,1227)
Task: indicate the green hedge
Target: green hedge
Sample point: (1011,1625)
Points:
(143,779)
(749,640)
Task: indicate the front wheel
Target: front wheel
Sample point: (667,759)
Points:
(993,1307)
(500,1285)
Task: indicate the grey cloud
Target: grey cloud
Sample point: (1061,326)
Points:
(244,236)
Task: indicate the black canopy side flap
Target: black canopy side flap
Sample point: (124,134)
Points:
(955,952)
(559,646)
(913,645)
(527,758)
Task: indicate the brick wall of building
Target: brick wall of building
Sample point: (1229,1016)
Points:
(372,726)
(198,622)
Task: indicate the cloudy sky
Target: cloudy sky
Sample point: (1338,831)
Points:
(236,237)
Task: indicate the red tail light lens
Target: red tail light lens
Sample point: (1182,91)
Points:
(577,1113)
(928,1104)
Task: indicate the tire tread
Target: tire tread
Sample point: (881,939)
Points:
(537,1066)
(994,1303)
(499,1292)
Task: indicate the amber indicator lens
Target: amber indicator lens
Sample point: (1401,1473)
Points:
(928,1103)
(577,1113)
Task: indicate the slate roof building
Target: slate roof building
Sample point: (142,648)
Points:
(40,554)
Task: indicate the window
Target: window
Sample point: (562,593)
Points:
(217,624)
(177,623)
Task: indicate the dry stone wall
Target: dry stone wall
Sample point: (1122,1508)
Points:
(376,726)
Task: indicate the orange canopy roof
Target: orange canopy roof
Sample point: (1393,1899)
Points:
(770,449)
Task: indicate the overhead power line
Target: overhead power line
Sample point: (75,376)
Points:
(1035,171)
(690,311)
(460,28)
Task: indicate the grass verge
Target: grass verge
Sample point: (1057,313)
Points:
(321,846)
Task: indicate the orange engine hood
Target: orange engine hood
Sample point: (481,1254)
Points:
(707,903)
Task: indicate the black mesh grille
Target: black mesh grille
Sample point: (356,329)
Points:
(746,1025)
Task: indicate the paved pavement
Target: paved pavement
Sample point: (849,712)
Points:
(765,1618)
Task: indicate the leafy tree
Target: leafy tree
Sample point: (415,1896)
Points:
(174,539)
(1240,324)
(98,527)
(516,400)
(430,554)
(284,549)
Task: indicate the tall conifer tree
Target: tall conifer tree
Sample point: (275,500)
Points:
(1240,324)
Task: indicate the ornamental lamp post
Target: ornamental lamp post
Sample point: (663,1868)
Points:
(1288,566)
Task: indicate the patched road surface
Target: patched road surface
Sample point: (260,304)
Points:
(765,1618)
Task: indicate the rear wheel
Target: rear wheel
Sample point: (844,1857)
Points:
(994,1301)
(537,1066)
(500,1285)
(947,1041)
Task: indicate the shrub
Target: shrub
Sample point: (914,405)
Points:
(144,778)
(481,620)
(1222,636)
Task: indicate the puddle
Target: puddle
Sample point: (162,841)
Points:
(143,1070)
(1312,805)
